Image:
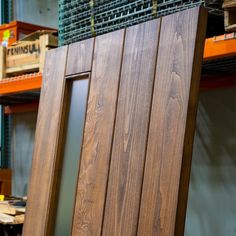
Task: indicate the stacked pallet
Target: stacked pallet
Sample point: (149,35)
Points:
(230,15)
(10,214)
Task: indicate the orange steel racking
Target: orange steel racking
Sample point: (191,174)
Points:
(31,107)
(216,47)
(22,83)
(15,30)
(220,47)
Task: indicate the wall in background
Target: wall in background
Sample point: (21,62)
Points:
(22,143)
(40,12)
(211,206)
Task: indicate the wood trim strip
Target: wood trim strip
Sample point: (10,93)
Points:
(191,122)
(61,145)
(46,144)
(98,134)
(170,111)
(63,193)
(131,128)
(31,107)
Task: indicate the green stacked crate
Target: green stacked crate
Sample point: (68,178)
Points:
(81,19)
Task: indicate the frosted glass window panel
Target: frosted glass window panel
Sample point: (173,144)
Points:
(71,154)
(211,204)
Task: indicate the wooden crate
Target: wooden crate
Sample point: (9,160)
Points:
(229,4)
(16,30)
(26,55)
(230,20)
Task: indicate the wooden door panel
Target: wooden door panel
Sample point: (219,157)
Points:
(139,125)
(98,134)
(130,138)
(41,186)
(173,103)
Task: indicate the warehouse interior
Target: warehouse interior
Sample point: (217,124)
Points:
(211,208)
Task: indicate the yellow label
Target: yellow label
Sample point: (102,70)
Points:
(1,197)
(6,35)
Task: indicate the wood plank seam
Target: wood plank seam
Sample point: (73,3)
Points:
(114,124)
(150,111)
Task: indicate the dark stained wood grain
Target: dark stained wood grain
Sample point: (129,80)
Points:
(46,140)
(137,144)
(190,124)
(80,57)
(98,134)
(179,58)
(131,128)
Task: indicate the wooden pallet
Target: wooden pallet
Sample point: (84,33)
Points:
(26,55)
(10,214)
(229,4)
(230,20)
(229,15)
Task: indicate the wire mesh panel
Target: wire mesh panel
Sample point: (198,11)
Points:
(81,19)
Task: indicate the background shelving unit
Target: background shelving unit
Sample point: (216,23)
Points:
(20,95)
(20,89)
(219,66)
(217,50)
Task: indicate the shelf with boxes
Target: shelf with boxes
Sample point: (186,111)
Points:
(19,89)
(28,54)
(220,55)
(21,66)
(22,51)
(219,65)
(16,30)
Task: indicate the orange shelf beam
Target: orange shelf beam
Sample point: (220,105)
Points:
(31,107)
(216,47)
(220,46)
(22,83)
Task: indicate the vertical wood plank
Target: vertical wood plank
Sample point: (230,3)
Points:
(43,43)
(46,140)
(190,124)
(173,102)
(80,57)
(130,137)
(98,134)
